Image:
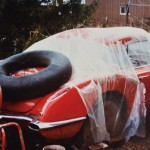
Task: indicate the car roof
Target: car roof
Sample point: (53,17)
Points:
(106,35)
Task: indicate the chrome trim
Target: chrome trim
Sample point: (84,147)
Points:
(37,125)
(142,77)
(16,117)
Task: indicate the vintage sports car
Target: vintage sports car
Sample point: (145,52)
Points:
(90,76)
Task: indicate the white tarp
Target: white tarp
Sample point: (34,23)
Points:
(98,55)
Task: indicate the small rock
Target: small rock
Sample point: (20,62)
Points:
(99,146)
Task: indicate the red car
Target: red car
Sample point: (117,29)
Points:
(79,75)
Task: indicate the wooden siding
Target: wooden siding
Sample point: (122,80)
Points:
(110,9)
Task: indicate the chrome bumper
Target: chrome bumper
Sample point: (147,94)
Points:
(37,125)
(14,117)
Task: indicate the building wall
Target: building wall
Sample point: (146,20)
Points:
(108,13)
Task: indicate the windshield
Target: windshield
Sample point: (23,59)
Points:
(139,53)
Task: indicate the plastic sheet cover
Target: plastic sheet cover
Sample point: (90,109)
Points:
(114,96)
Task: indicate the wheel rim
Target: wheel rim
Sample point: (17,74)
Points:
(115,108)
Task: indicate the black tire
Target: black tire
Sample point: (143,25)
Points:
(115,108)
(57,71)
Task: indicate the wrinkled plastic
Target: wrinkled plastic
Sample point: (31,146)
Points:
(114,92)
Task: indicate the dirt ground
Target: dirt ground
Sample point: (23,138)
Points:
(137,143)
